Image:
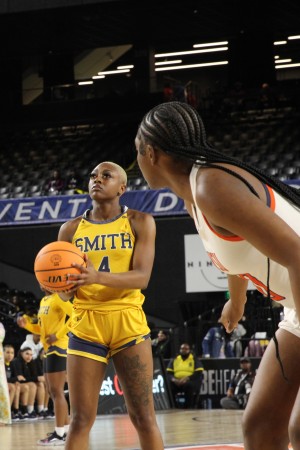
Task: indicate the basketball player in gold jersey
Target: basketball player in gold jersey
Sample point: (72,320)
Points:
(53,318)
(108,320)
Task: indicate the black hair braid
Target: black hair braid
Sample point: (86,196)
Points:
(177,129)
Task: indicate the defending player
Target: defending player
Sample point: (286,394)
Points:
(250,226)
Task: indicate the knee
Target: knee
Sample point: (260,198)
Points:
(32,387)
(25,388)
(250,425)
(81,420)
(56,393)
(294,434)
(142,421)
(40,386)
(257,430)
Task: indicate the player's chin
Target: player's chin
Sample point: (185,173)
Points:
(96,191)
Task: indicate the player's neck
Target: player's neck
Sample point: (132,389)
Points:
(105,212)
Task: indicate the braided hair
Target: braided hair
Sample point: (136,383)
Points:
(177,129)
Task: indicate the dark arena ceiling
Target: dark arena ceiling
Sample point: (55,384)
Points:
(27,29)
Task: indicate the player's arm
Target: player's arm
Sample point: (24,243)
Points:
(25,322)
(67,309)
(66,233)
(144,228)
(234,308)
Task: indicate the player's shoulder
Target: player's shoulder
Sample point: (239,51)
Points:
(72,224)
(140,216)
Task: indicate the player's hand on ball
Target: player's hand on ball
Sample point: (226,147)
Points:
(88,274)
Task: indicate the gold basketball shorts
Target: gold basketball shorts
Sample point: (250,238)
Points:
(100,335)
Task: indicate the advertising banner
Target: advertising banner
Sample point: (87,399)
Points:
(42,210)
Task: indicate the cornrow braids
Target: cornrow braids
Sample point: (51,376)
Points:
(177,129)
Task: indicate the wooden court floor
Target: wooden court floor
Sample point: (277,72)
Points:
(181,429)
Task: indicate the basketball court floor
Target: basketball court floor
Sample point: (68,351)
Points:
(181,430)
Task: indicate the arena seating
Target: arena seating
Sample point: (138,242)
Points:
(267,138)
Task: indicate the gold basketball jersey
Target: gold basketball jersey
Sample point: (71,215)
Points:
(109,246)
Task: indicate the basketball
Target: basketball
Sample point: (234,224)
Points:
(53,264)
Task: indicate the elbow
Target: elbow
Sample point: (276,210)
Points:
(144,285)
(144,281)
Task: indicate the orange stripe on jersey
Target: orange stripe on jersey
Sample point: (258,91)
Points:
(216,262)
(234,238)
(270,198)
(221,236)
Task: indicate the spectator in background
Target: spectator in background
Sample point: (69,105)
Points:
(14,387)
(73,182)
(55,184)
(168,92)
(216,343)
(239,387)
(26,375)
(235,340)
(267,97)
(5,414)
(161,344)
(33,341)
(185,373)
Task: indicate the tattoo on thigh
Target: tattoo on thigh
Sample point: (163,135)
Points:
(137,379)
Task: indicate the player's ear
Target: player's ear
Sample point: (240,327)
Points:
(151,152)
(121,190)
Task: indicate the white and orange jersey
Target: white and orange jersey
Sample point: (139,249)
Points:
(235,256)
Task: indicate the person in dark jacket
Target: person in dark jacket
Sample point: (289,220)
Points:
(239,387)
(26,374)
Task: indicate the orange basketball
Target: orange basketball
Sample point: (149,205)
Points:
(53,264)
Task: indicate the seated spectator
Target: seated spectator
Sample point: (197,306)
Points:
(216,343)
(185,374)
(55,184)
(235,340)
(27,376)
(33,341)
(239,387)
(73,182)
(161,344)
(257,344)
(12,381)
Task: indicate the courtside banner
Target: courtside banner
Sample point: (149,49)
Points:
(42,210)
(39,210)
